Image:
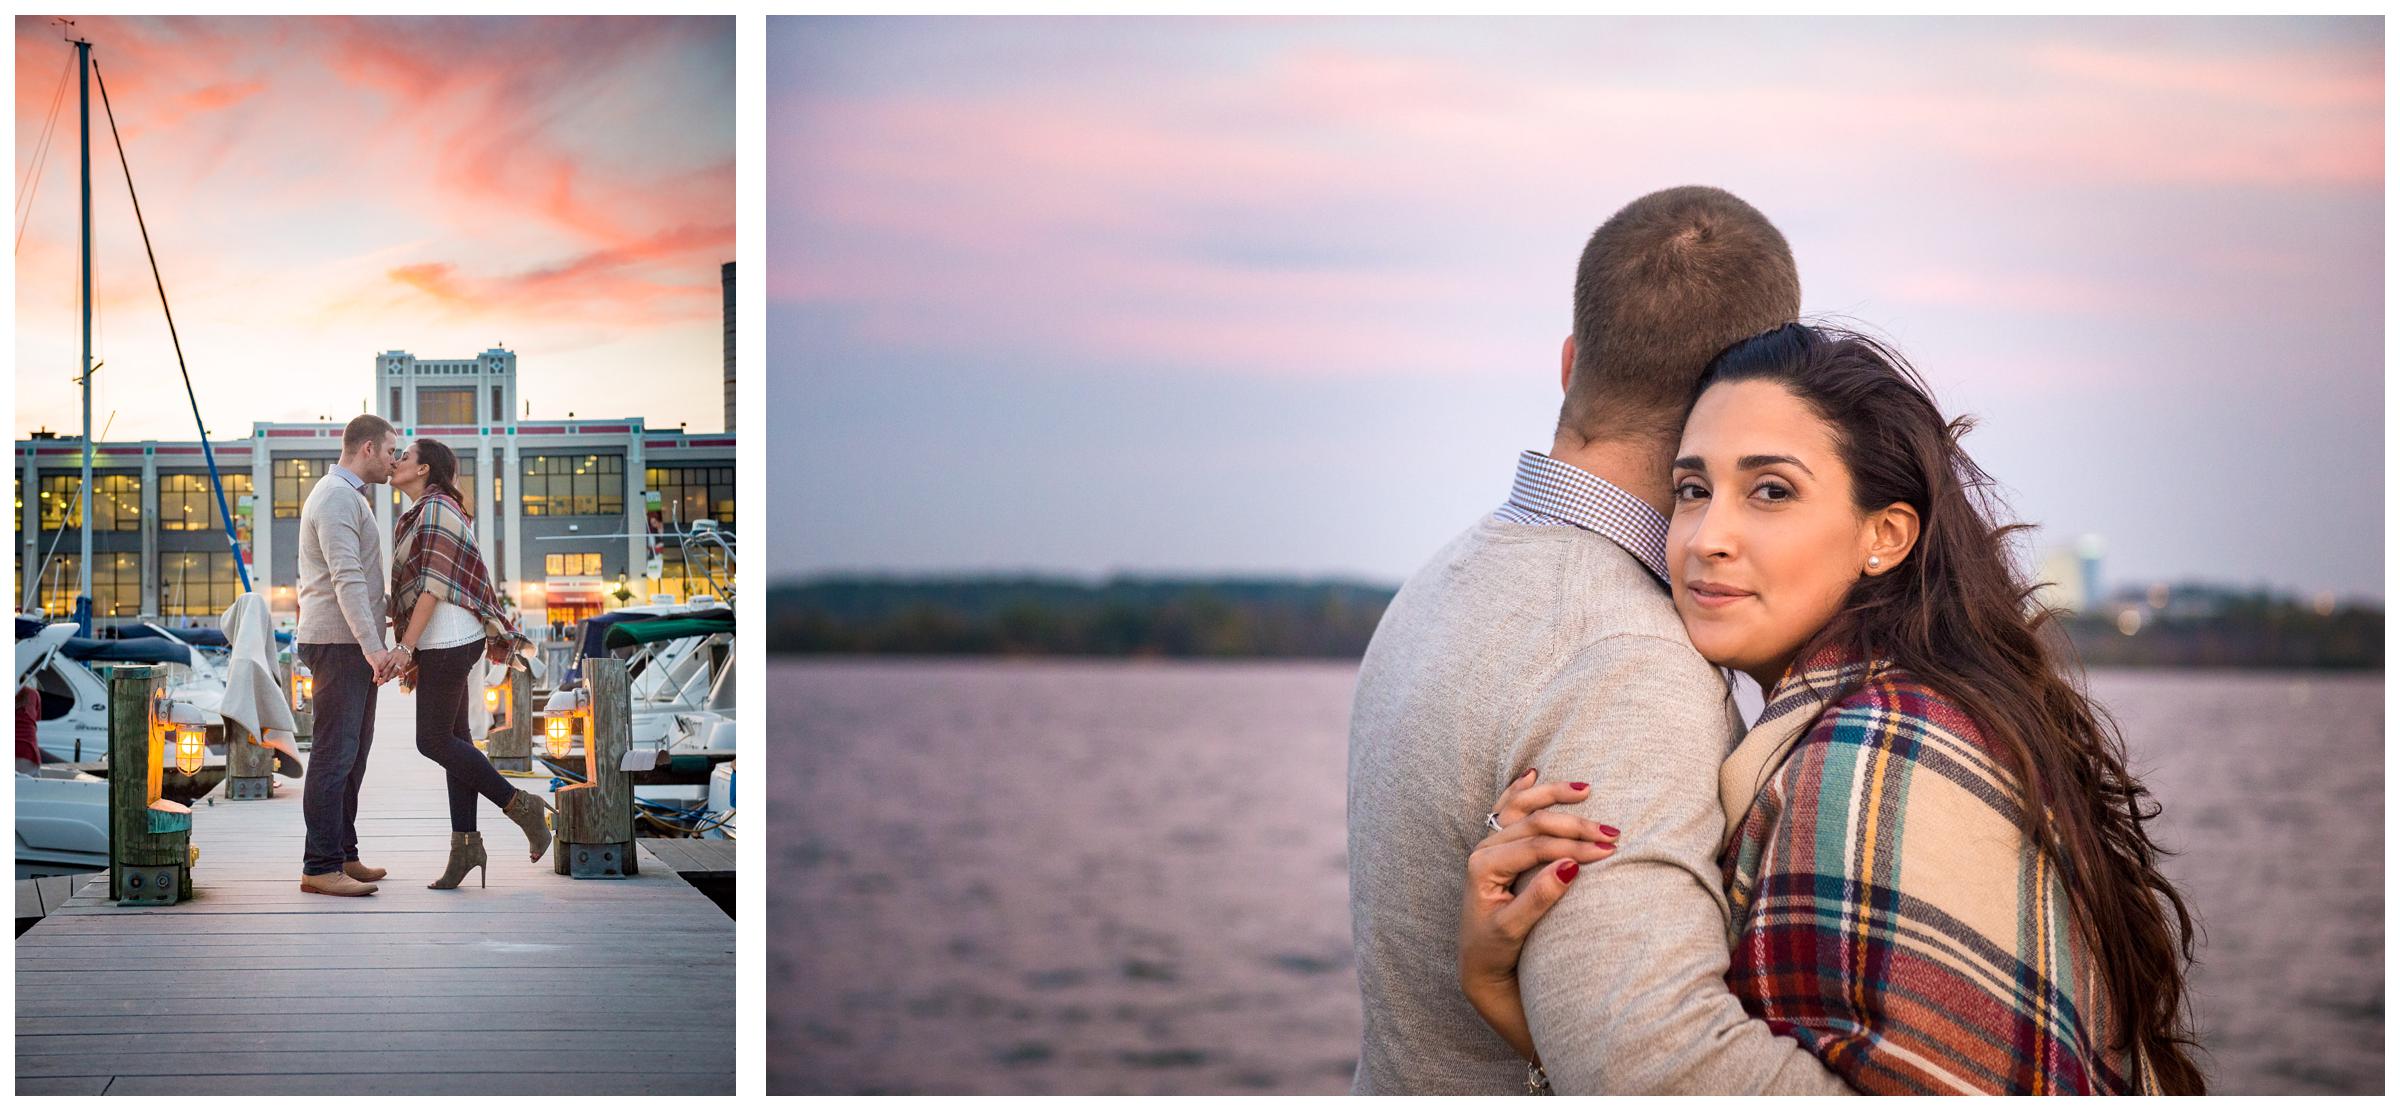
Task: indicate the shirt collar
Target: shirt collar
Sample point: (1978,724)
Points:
(356,483)
(1587,501)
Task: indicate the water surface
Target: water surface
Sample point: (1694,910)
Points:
(1104,877)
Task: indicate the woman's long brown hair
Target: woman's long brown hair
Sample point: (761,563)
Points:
(1959,616)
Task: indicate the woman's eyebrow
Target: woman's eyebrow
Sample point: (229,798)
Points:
(1745,463)
(1759,462)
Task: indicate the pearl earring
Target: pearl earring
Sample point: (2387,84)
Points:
(1874,561)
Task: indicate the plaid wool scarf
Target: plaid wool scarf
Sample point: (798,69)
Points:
(436,550)
(1887,912)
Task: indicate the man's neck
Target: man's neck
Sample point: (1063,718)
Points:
(1639,469)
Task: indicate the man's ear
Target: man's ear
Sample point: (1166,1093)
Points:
(1891,535)
(1566,363)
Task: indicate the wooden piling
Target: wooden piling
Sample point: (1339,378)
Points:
(510,746)
(147,849)
(304,717)
(249,766)
(595,819)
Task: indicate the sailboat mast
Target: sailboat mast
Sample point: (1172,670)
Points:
(83,89)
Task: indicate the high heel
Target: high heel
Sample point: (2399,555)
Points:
(466,851)
(533,816)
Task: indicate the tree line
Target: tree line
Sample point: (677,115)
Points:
(1266,618)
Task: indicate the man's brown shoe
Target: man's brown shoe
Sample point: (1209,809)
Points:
(335,883)
(361,872)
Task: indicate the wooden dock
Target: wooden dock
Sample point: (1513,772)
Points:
(538,984)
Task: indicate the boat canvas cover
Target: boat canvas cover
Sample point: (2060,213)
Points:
(150,651)
(205,638)
(631,633)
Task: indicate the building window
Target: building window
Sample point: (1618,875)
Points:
(294,478)
(116,584)
(687,494)
(499,412)
(395,413)
(197,584)
(448,405)
(56,595)
(188,503)
(683,580)
(562,564)
(116,505)
(574,485)
(60,509)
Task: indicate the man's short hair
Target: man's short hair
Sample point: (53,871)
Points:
(365,428)
(1665,284)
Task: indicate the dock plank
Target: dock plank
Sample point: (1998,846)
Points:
(509,989)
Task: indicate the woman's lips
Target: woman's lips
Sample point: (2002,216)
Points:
(1716,596)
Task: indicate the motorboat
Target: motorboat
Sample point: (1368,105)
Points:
(61,667)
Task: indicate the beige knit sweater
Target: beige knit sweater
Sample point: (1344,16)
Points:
(1530,646)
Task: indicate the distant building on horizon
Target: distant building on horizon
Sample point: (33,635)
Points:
(562,507)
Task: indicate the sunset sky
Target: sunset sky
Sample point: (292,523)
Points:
(1286,296)
(320,190)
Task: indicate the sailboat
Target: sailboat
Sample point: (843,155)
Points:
(59,804)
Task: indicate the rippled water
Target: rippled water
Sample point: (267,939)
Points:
(1088,877)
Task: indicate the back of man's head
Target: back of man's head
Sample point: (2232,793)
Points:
(1665,284)
(364,429)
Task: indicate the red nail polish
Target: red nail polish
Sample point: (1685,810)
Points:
(1609,830)
(1526,772)
(1567,870)
(1577,786)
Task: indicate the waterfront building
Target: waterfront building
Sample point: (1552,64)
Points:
(569,512)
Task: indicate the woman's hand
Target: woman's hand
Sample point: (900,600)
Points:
(1493,924)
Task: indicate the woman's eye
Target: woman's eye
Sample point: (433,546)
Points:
(1690,491)
(1774,491)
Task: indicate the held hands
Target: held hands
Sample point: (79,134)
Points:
(1494,922)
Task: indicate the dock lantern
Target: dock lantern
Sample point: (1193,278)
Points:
(191,738)
(563,726)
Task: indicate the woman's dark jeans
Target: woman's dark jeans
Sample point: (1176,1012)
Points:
(443,731)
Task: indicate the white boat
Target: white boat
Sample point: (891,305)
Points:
(74,711)
(62,823)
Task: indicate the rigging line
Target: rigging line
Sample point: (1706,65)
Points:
(224,510)
(41,153)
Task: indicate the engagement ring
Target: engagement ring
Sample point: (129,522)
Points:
(1492,820)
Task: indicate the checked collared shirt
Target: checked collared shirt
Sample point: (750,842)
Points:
(1548,492)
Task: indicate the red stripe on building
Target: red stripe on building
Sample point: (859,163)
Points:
(308,432)
(541,429)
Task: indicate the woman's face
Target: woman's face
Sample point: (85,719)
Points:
(408,468)
(1766,539)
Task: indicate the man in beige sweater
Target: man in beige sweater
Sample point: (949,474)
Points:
(341,641)
(1544,637)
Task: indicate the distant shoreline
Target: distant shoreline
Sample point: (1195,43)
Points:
(1289,619)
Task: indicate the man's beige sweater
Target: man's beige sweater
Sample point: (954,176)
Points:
(342,592)
(1549,647)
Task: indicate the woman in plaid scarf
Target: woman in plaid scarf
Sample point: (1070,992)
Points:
(1934,851)
(449,616)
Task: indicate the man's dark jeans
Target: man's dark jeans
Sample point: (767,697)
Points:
(337,754)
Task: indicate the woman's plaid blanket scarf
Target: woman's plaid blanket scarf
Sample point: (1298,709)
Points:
(437,553)
(1887,912)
